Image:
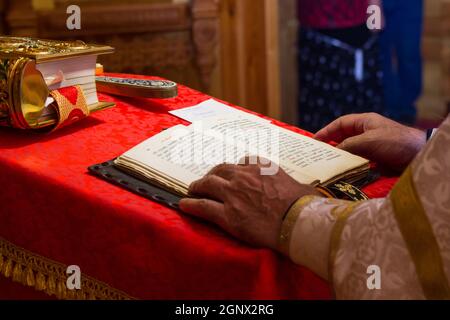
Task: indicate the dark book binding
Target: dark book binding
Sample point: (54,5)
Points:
(107,171)
(348,190)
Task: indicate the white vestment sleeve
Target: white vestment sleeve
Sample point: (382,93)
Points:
(348,243)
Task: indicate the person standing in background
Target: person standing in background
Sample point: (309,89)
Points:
(400,45)
(339,62)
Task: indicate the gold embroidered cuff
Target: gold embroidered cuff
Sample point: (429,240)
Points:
(289,222)
(341,215)
(326,193)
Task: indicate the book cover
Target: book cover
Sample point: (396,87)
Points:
(25,94)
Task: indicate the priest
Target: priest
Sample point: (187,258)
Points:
(405,236)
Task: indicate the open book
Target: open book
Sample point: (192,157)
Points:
(182,154)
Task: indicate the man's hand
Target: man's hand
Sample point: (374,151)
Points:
(248,205)
(376,138)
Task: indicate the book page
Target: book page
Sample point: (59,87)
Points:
(183,154)
(69,72)
(316,158)
(211,109)
(304,158)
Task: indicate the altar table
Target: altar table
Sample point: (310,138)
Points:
(53,214)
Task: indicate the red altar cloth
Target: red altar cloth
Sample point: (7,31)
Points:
(51,206)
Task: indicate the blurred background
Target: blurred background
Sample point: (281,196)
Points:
(305,62)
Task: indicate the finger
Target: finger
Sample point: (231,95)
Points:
(343,128)
(205,209)
(359,145)
(225,171)
(211,186)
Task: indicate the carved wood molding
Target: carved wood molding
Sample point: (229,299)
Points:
(117,18)
(2,16)
(148,53)
(205,31)
(159,33)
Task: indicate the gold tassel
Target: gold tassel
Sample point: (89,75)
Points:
(91,296)
(17,273)
(71,294)
(23,277)
(28,278)
(80,295)
(61,290)
(40,282)
(51,285)
(33,271)
(7,268)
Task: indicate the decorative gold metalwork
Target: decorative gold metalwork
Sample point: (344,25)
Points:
(4,96)
(47,50)
(33,94)
(23,91)
(345,188)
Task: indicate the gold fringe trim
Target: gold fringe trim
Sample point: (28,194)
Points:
(42,274)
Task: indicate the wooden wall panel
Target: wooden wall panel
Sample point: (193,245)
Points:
(289,80)
(177,40)
(434,101)
(250,54)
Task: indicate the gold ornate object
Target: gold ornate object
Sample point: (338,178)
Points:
(47,50)
(342,190)
(32,97)
(23,90)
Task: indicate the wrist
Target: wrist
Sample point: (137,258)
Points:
(420,139)
(289,221)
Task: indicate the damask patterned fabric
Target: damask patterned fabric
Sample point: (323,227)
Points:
(372,236)
(51,206)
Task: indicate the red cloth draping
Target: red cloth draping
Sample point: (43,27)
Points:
(52,206)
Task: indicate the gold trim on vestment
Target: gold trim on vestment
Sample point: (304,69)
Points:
(29,269)
(289,222)
(418,234)
(341,215)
